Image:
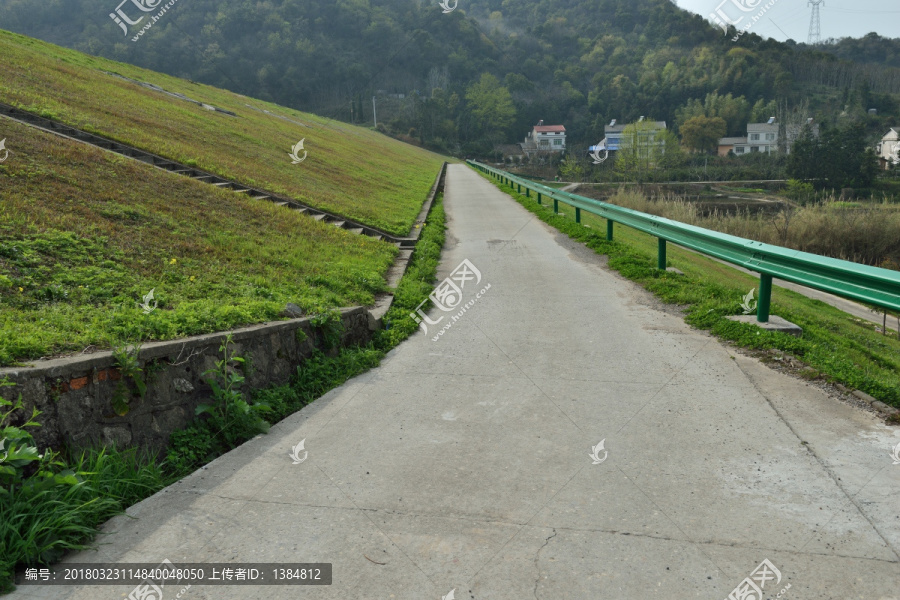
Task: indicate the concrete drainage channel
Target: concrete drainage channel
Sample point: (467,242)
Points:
(172,166)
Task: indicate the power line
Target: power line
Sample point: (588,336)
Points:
(779,28)
(866,12)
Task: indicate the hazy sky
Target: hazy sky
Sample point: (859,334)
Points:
(840,18)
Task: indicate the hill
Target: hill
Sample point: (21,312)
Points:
(85,234)
(576,62)
(871,48)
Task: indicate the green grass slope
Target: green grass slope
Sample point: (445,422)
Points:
(85,233)
(349,170)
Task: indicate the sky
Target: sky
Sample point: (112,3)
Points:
(790,18)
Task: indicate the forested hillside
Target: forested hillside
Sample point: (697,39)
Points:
(871,48)
(481,74)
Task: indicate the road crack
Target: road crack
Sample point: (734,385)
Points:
(537,557)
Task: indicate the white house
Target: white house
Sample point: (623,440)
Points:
(545,138)
(889,148)
(764,137)
(761,137)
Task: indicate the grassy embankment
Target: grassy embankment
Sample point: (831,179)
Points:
(85,234)
(835,346)
(42,519)
(349,170)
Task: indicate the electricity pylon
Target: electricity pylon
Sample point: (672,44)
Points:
(815,24)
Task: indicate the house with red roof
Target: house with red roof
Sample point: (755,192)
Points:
(545,138)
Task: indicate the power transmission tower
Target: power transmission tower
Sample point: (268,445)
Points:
(815,24)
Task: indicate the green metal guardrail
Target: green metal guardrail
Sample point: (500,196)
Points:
(872,285)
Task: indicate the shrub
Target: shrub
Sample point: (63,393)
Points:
(231,418)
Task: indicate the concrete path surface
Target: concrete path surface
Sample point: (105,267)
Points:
(471,467)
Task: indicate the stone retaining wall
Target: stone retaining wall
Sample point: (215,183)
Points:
(75,393)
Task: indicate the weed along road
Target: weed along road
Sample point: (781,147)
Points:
(554,434)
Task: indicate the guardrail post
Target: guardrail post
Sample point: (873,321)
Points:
(765,298)
(609,229)
(539,198)
(527,193)
(577,215)
(661,258)
(555,206)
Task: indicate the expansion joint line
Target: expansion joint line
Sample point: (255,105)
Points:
(827,469)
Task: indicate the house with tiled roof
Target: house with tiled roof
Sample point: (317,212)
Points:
(545,138)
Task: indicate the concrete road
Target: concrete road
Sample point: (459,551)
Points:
(472,464)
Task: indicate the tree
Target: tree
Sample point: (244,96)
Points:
(703,133)
(571,169)
(762,111)
(837,159)
(491,105)
(734,111)
(641,149)
(670,154)
(804,158)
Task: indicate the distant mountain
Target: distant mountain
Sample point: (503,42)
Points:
(575,62)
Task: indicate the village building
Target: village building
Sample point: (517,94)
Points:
(544,139)
(889,149)
(613,133)
(765,137)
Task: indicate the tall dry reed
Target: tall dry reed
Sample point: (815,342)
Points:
(866,233)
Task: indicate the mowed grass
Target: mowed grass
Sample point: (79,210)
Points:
(836,346)
(85,234)
(349,170)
